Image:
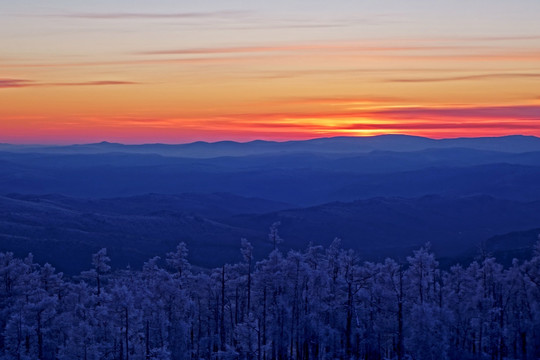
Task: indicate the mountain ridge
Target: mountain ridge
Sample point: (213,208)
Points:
(338,144)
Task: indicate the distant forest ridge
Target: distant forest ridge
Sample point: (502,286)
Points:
(341,144)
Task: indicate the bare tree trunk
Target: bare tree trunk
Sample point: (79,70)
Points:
(249,287)
(222,314)
(264,321)
(147,339)
(523,336)
(127,333)
(236,306)
(39,336)
(348,329)
(259,340)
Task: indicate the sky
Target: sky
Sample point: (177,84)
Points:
(175,71)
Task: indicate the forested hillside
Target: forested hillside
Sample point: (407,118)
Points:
(137,228)
(321,303)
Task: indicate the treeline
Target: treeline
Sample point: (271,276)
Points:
(316,304)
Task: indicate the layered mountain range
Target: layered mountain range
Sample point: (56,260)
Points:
(384,196)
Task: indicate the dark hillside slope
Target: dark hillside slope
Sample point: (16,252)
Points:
(516,244)
(66,231)
(394,226)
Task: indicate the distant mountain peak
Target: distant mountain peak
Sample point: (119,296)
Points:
(107,143)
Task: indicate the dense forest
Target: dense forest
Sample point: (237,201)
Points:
(316,304)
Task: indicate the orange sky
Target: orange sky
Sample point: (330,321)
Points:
(72,73)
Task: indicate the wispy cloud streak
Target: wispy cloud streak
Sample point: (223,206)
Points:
(502,125)
(197,60)
(470,77)
(303,47)
(93,83)
(524,112)
(486,38)
(23,83)
(14,83)
(133,15)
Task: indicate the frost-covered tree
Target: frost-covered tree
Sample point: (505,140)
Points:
(178,260)
(273,235)
(312,304)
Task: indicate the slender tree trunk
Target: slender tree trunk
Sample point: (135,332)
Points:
(523,336)
(39,336)
(199,328)
(19,337)
(233,324)
(348,329)
(480,335)
(121,348)
(264,321)
(147,339)
(501,334)
(222,314)
(236,306)
(249,287)
(258,340)
(127,333)
(400,317)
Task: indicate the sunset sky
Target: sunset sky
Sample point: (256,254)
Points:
(139,71)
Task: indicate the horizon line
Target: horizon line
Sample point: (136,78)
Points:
(103,142)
